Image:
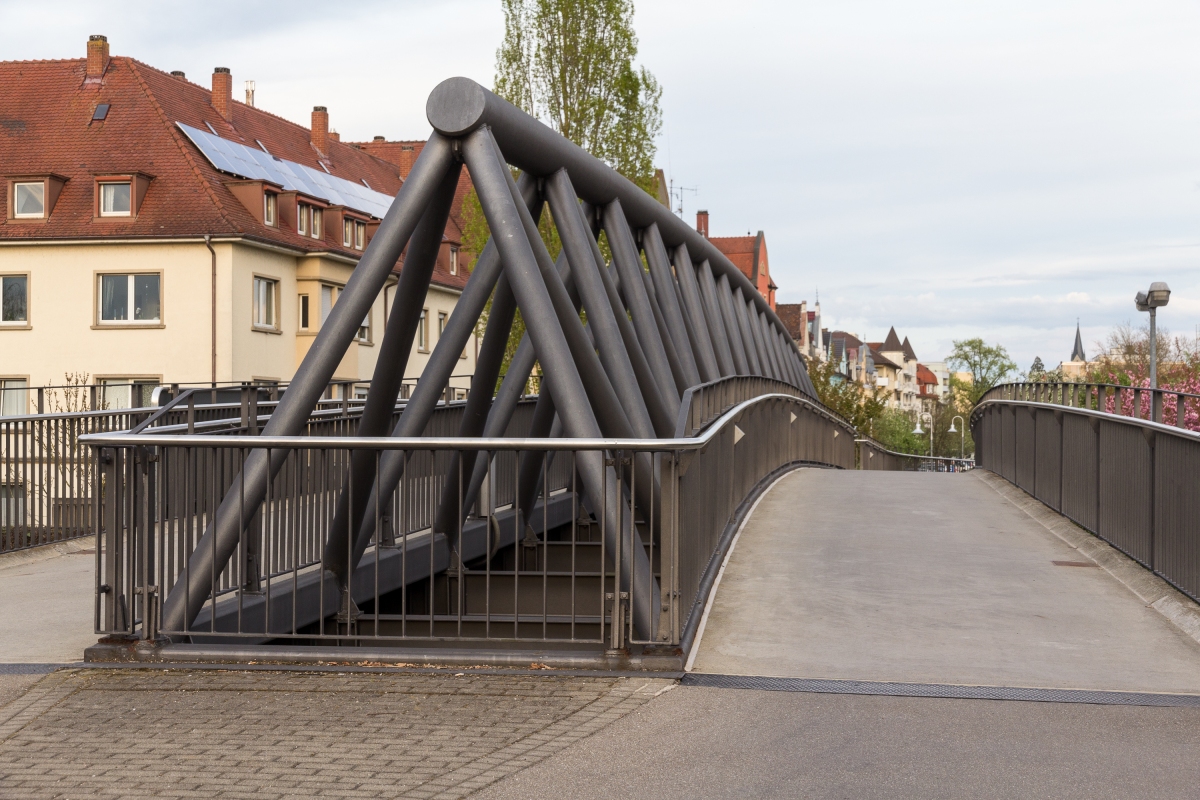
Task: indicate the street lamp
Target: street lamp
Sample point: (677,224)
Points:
(917,430)
(1151,301)
(962,441)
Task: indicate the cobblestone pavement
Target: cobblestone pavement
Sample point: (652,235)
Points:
(226,734)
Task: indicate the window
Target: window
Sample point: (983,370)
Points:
(29,200)
(441,324)
(453,260)
(302,213)
(360,235)
(347,232)
(303,312)
(265,303)
(115,199)
(354,233)
(316,223)
(130,298)
(270,204)
(127,392)
(423,332)
(14,300)
(14,396)
(364,330)
(328,297)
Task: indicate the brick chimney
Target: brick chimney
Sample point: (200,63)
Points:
(702,223)
(97,55)
(222,92)
(320,129)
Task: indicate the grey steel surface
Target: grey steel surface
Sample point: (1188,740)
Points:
(947,690)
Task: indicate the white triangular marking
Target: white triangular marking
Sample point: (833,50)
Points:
(793,418)
(835,434)
(738,433)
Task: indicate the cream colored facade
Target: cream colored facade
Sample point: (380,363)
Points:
(65,335)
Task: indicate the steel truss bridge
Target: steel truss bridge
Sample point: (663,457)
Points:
(583,525)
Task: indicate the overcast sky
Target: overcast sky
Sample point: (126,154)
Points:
(993,169)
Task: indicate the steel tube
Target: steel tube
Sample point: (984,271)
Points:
(458,106)
(562,378)
(721,337)
(694,319)
(391,362)
(732,329)
(743,323)
(629,267)
(242,500)
(760,342)
(668,301)
(664,334)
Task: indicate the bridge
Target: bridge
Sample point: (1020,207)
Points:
(586,525)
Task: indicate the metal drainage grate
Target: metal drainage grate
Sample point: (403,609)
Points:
(32,669)
(943,690)
(1074,564)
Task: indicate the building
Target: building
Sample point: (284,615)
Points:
(748,253)
(804,326)
(155,231)
(1076,368)
(896,372)
(852,357)
(927,388)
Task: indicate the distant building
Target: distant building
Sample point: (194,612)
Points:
(902,381)
(748,253)
(852,357)
(804,326)
(1076,367)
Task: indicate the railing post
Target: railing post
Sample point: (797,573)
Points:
(668,554)
(1155,405)
(1180,411)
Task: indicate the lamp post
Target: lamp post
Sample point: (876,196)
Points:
(962,440)
(1158,296)
(917,430)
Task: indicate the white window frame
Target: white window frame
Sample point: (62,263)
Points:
(14,323)
(129,322)
(270,208)
(453,260)
(347,232)
(423,332)
(303,312)
(16,186)
(302,214)
(103,213)
(264,287)
(315,223)
(360,235)
(364,330)
(14,401)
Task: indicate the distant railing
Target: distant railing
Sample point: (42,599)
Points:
(874,456)
(1121,462)
(47,478)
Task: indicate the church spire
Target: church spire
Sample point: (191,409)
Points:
(1077,354)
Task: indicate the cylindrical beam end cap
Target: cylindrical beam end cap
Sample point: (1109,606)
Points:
(455,106)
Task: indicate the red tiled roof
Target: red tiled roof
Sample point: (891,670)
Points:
(789,314)
(46,126)
(925,375)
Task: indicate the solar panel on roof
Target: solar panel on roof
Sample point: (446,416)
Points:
(247,162)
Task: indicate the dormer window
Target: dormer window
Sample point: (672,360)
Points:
(121,195)
(354,233)
(32,197)
(29,200)
(115,199)
(316,223)
(302,214)
(270,208)
(453,260)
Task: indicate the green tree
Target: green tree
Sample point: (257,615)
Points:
(855,402)
(570,63)
(987,364)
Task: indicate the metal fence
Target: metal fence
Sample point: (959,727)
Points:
(47,475)
(1128,479)
(530,562)
(874,456)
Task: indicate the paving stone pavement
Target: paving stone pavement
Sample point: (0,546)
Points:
(237,734)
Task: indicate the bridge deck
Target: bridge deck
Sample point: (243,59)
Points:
(928,578)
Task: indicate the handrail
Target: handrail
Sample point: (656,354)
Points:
(1063,394)
(126,439)
(1158,427)
(882,449)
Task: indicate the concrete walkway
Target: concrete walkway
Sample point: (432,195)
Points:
(46,603)
(918,577)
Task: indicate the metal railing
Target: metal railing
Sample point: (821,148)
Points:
(1128,479)
(874,456)
(47,476)
(513,570)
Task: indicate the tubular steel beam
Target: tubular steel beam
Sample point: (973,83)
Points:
(721,337)
(748,342)
(736,344)
(694,319)
(668,301)
(242,501)
(458,106)
(562,378)
(664,334)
